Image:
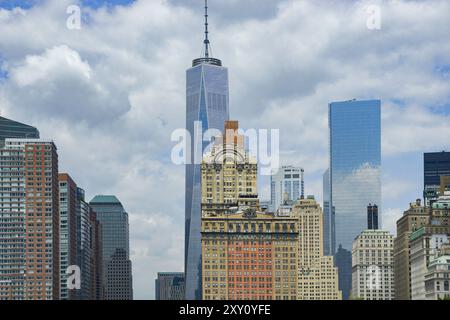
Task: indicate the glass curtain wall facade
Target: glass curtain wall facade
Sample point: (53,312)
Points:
(328,217)
(116,264)
(435,165)
(14,129)
(355,172)
(288,181)
(207,100)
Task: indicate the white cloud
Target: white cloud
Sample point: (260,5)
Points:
(111,93)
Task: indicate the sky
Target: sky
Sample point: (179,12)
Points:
(111,93)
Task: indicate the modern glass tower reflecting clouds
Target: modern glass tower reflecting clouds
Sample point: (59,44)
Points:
(207,98)
(355,171)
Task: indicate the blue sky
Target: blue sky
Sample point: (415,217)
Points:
(9,4)
(118,85)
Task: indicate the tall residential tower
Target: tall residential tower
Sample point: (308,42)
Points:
(29,220)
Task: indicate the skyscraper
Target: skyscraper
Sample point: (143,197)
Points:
(14,129)
(435,165)
(85,244)
(372,217)
(328,217)
(413,219)
(207,99)
(289,180)
(115,247)
(29,220)
(317,275)
(373,265)
(169,286)
(355,167)
(97,290)
(246,254)
(68,231)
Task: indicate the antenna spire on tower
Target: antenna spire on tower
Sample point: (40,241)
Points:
(206,31)
(207,58)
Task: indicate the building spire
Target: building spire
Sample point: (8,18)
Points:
(207,58)
(206,42)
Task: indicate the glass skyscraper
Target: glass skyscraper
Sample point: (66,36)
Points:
(207,98)
(435,165)
(288,181)
(354,175)
(115,246)
(14,129)
(328,219)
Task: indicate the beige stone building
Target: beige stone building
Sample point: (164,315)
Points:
(229,175)
(318,278)
(413,219)
(249,256)
(373,265)
(246,254)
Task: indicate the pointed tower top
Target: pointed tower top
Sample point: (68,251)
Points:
(206,42)
(207,59)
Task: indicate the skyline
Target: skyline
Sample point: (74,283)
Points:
(121,115)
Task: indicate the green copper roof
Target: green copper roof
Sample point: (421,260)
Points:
(100,199)
(416,234)
(440,260)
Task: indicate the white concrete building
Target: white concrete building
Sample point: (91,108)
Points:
(437,279)
(425,244)
(373,266)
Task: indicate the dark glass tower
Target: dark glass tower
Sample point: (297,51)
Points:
(116,264)
(14,129)
(372,217)
(207,98)
(354,177)
(435,165)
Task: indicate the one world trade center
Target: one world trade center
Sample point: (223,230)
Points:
(207,100)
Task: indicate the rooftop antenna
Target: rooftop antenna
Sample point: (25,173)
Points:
(206,31)
(207,58)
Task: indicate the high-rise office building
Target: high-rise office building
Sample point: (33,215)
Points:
(317,275)
(14,129)
(116,266)
(68,231)
(355,174)
(288,181)
(425,244)
(373,265)
(246,254)
(169,286)
(29,220)
(229,174)
(372,217)
(413,219)
(435,165)
(207,100)
(328,217)
(249,256)
(85,246)
(97,289)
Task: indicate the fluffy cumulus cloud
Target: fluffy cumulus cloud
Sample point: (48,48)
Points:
(111,93)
